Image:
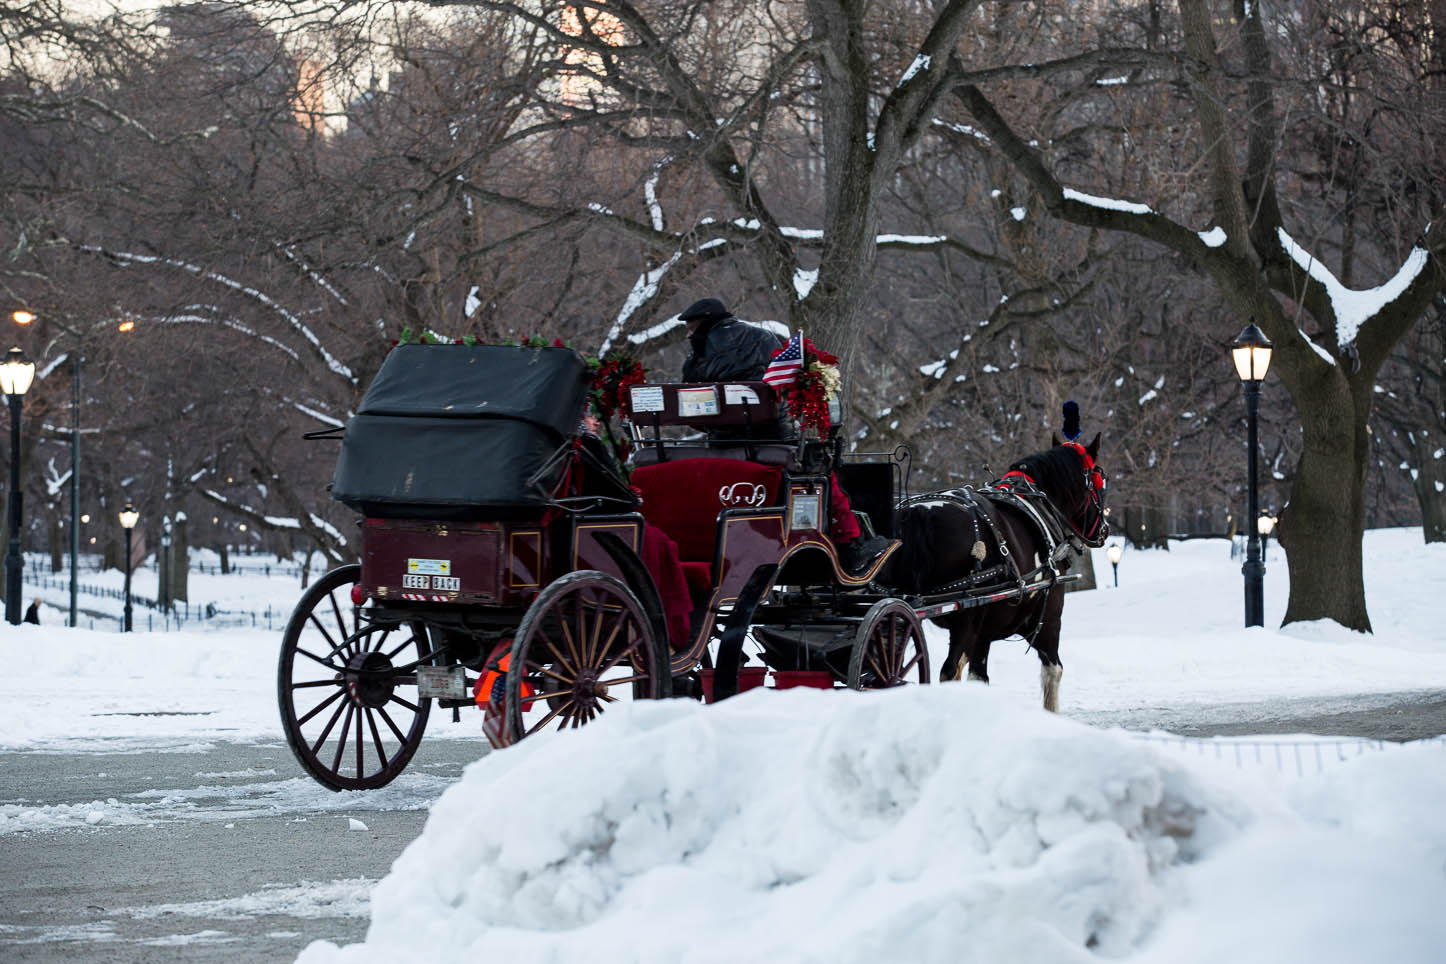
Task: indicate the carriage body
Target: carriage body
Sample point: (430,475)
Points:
(501,567)
(747,500)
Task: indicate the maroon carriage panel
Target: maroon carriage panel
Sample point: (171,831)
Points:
(588,552)
(479,563)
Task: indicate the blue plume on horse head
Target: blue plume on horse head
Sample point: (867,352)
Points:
(1071,421)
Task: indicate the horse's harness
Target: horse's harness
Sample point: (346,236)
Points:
(1061,536)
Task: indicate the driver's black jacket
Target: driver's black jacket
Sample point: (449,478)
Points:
(729,350)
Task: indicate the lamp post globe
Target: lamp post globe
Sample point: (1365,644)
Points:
(128,518)
(1250,351)
(16,374)
(1113,553)
(1265,525)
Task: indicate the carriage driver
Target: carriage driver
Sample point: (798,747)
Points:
(726,349)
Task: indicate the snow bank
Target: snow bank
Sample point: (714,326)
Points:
(931,824)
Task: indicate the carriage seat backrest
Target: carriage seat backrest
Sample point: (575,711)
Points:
(705,404)
(778,454)
(683,498)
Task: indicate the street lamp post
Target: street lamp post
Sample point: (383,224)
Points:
(16,374)
(77,357)
(128,518)
(1251,353)
(75,490)
(1113,553)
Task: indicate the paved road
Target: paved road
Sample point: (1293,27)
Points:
(228,855)
(1384,716)
(205,856)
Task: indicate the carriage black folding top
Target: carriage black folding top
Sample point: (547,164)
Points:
(448,431)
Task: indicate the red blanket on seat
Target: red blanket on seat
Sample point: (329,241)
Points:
(660,555)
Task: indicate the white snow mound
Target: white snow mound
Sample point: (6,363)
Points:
(802,826)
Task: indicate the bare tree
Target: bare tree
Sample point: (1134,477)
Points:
(1249,107)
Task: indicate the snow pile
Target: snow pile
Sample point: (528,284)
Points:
(928,824)
(1355,872)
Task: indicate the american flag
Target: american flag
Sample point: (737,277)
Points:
(785,366)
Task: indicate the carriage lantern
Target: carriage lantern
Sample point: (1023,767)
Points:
(16,374)
(1113,553)
(128,519)
(1251,352)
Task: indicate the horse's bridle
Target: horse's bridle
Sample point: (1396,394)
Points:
(1097,529)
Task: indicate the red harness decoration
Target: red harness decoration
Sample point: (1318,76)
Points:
(1096,477)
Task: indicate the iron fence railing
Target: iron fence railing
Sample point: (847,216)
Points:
(180,614)
(1296,758)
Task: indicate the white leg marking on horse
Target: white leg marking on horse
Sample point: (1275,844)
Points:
(975,677)
(958,672)
(1049,677)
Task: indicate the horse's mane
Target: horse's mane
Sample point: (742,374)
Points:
(1055,471)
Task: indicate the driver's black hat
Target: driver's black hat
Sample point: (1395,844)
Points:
(706,309)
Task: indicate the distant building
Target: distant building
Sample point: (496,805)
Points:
(308,104)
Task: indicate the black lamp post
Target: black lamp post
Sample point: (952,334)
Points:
(1251,352)
(128,518)
(75,489)
(16,374)
(1113,553)
(77,357)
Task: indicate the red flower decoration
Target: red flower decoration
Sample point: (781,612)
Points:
(811,389)
(610,383)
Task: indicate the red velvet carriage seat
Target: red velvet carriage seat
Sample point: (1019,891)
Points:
(683,498)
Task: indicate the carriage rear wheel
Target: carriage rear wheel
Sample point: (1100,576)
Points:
(889,648)
(348,687)
(585,639)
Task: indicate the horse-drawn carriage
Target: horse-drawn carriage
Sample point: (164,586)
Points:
(506,563)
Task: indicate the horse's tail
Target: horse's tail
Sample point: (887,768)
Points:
(913,560)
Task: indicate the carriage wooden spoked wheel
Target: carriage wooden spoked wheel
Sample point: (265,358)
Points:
(348,687)
(584,644)
(888,648)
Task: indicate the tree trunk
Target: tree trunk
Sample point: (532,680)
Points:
(1322,526)
(827,312)
(1084,564)
(59,539)
(1430,484)
(163,565)
(180,563)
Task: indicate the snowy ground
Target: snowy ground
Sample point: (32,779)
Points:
(1169,636)
(955,823)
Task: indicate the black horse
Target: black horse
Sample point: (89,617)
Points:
(1017,530)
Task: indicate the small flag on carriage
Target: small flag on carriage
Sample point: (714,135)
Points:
(784,369)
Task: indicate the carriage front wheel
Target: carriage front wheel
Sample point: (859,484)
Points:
(347,686)
(582,642)
(888,648)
